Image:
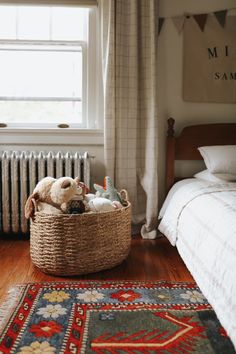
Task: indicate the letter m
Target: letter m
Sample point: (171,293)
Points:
(232,76)
(212,52)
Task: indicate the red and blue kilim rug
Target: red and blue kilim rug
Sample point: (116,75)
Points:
(110,317)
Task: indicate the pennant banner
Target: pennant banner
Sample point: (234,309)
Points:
(201,20)
(221,16)
(179,23)
(160,24)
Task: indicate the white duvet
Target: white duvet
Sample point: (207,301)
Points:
(200,219)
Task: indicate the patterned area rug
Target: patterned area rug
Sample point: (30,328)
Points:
(110,317)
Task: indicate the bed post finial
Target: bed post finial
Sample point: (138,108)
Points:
(171,131)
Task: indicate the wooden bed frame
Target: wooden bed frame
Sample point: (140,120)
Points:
(184,147)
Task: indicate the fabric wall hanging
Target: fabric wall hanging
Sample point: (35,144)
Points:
(209,60)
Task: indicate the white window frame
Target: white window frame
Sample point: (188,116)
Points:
(92,95)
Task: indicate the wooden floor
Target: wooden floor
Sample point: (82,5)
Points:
(148,260)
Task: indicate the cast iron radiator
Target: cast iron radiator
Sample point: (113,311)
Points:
(21,170)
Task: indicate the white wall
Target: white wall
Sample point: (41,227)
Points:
(170,71)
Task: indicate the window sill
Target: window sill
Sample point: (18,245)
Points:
(51,136)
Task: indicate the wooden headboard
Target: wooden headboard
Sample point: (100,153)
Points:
(184,146)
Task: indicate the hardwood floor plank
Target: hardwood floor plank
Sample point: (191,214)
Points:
(148,260)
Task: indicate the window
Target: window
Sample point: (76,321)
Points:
(48,67)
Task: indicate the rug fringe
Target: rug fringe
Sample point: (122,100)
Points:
(9,304)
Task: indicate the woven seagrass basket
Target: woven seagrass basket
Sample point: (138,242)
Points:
(79,244)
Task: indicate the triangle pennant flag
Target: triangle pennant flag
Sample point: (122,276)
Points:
(221,17)
(179,22)
(160,24)
(201,20)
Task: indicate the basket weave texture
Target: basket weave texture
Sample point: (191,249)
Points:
(80,244)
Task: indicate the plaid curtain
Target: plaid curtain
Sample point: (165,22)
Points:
(129,47)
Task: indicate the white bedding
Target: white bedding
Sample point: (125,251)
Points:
(200,219)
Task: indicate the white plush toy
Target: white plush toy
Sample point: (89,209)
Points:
(51,196)
(102,204)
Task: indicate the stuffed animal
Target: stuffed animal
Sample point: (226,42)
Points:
(75,206)
(51,196)
(82,189)
(108,191)
(87,198)
(99,205)
(78,204)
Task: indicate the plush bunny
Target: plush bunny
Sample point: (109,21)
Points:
(51,196)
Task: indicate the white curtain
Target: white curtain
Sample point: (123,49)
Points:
(129,46)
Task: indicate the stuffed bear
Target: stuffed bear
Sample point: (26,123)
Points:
(51,196)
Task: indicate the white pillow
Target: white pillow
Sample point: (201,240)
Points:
(218,177)
(219,159)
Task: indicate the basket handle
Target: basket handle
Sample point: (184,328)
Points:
(124,197)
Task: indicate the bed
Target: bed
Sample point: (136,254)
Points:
(199,218)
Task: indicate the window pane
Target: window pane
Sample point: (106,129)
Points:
(40,112)
(69,23)
(33,22)
(43,23)
(7,22)
(28,73)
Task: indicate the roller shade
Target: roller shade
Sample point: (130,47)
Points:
(82,3)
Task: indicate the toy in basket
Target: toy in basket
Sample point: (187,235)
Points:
(74,232)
